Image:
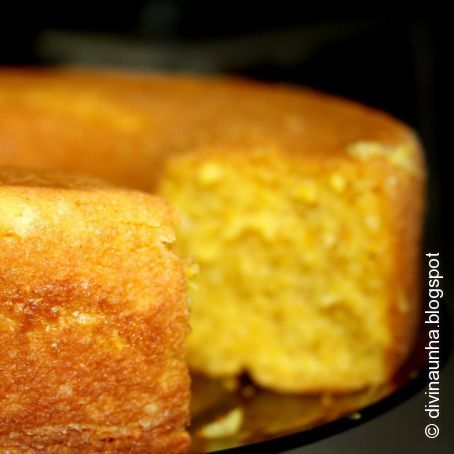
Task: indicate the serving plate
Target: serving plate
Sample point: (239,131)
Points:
(233,416)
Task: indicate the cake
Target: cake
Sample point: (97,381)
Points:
(93,318)
(302,210)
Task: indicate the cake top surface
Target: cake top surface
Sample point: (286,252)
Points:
(187,112)
(32,200)
(22,177)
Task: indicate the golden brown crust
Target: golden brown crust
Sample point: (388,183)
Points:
(407,205)
(135,121)
(81,441)
(93,318)
(402,190)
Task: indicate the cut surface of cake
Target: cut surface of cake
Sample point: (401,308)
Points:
(93,318)
(303,211)
(307,270)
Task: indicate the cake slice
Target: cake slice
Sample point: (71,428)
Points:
(93,318)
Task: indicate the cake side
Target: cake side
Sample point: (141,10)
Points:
(402,177)
(407,197)
(93,318)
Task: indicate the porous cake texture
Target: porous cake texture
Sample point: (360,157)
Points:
(308,276)
(93,319)
(302,210)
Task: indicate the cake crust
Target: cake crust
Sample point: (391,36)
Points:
(136,122)
(93,318)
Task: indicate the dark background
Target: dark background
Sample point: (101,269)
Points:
(386,55)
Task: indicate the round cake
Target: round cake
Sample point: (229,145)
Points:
(302,211)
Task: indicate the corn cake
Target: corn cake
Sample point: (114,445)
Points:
(303,211)
(93,319)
